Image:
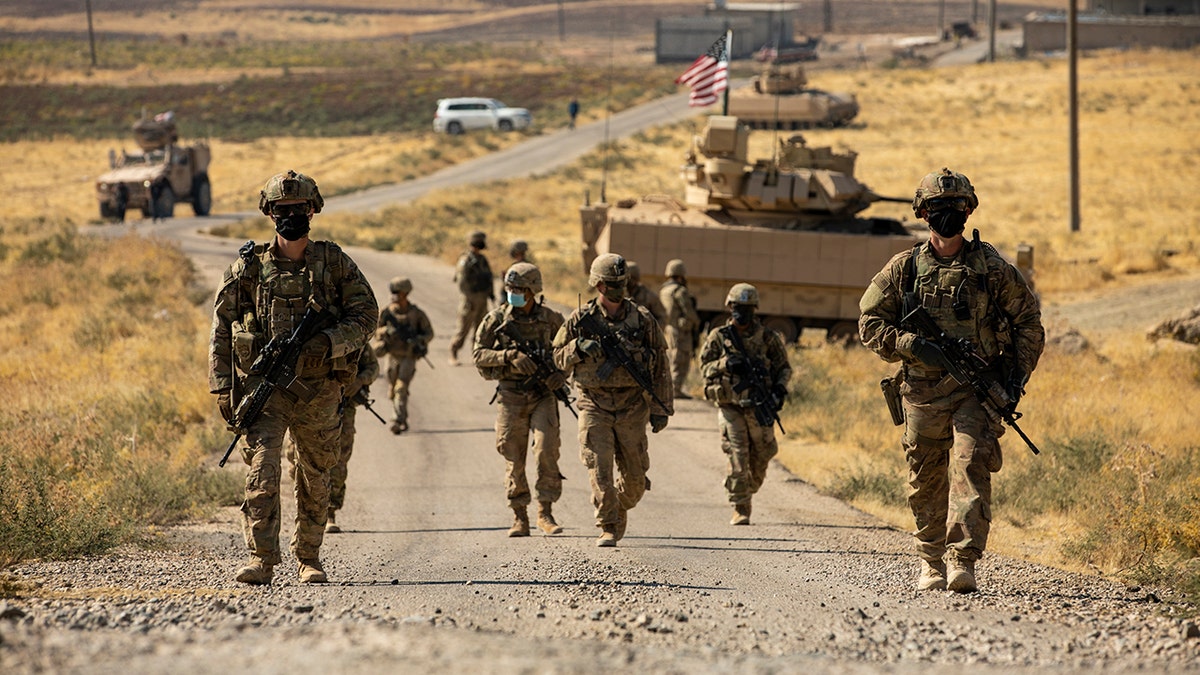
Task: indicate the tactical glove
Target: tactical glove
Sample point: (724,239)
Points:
(781,393)
(930,354)
(658,423)
(1015,387)
(520,362)
(589,347)
(225,405)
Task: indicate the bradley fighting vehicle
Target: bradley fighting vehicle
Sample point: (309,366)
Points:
(789,225)
(778,99)
(159,176)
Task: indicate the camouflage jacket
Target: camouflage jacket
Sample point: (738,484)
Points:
(976,295)
(402,332)
(474,275)
(680,307)
(368,370)
(639,333)
(649,299)
(264,295)
(496,336)
(762,344)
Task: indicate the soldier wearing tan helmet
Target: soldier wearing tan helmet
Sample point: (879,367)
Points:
(264,295)
(739,371)
(518,252)
(474,277)
(950,440)
(682,326)
(614,408)
(513,348)
(644,296)
(403,333)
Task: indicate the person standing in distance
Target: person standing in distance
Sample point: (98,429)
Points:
(748,445)
(614,410)
(265,294)
(474,277)
(518,252)
(402,333)
(682,324)
(644,296)
(950,440)
(526,404)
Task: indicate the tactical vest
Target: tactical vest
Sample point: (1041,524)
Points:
(536,328)
(476,275)
(720,388)
(633,332)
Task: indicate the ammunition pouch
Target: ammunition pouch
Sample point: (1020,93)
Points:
(719,391)
(891,396)
(246,346)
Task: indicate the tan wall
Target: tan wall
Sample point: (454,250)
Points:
(1045,34)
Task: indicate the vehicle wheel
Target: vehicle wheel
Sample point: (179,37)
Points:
(786,328)
(843,333)
(506,125)
(454,128)
(201,195)
(164,203)
(106,211)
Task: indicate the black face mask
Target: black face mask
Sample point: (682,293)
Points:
(948,222)
(293,226)
(742,316)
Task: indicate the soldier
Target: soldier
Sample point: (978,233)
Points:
(403,333)
(474,278)
(518,252)
(644,296)
(682,326)
(512,342)
(264,295)
(609,345)
(951,441)
(728,363)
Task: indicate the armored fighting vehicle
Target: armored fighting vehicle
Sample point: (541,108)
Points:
(790,225)
(160,176)
(778,98)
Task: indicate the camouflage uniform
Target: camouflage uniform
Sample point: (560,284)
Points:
(403,334)
(368,370)
(263,296)
(681,326)
(950,441)
(524,407)
(748,445)
(474,277)
(613,412)
(645,297)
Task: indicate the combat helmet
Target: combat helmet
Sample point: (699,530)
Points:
(290,185)
(675,268)
(524,276)
(477,239)
(609,268)
(946,184)
(400,285)
(518,247)
(742,294)
(635,273)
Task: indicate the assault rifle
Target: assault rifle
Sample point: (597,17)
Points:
(615,354)
(276,364)
(363,398)
(967,367)
(404,333)
(754,376)
(547,375)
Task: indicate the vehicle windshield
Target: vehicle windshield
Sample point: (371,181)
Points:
(499,104)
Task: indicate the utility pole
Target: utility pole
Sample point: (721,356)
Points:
(562,22)
(1073,107)
(828,16)
(941,29)
(91,34)
(991,55)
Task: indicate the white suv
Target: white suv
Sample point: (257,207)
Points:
(456,115)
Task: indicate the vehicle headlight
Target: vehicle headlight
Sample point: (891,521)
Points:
(146,184)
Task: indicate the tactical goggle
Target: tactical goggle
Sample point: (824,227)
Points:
(285,210)
(956,203)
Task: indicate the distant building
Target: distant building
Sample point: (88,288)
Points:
(1046,32)
(1145,7)
(754,25)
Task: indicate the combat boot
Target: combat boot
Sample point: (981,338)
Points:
(331,526)
(933,576)
(397,428)
(256,573)
(311,571)
(453,360)
(960,576)
(520,526)
(545,519)
(608,537)
(741,514)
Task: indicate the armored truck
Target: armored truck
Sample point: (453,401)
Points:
(790,225)
(158,177)
(779,98)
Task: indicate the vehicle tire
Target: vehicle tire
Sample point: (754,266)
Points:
(843,333)
(201,195)
(164,204)
(787,329)
(506,125)
(106,211)
(454,128)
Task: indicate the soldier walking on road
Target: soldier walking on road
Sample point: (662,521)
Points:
(264,295)
(512,345)
(644,296)
(729,363)
(402,333)
(951,440)
(474,277)
(617,355)
(682,326)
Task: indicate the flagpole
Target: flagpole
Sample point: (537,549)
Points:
(728,59)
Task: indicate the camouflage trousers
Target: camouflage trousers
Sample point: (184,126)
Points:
(609,439)
(315,428)
(519,416)
(952,450)
(679,356)
(470,313)
(749,448)
(400,373)
(337,475)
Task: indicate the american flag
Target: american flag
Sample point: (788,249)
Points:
(708,75)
